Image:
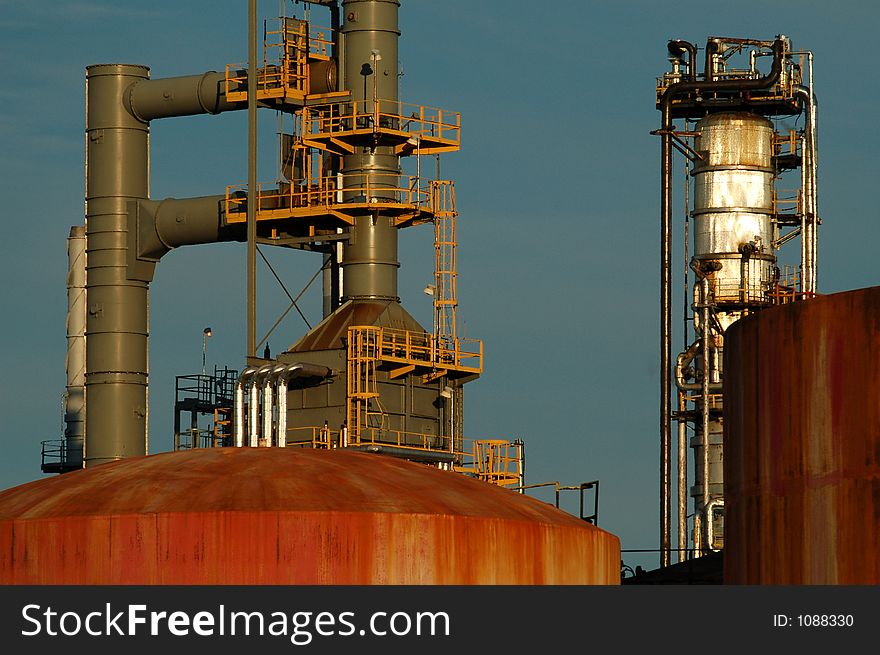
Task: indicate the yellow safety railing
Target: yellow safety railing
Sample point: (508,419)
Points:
(420,348)
(497,461)
(336,120)
(329,192)
(287,50)
(313,437)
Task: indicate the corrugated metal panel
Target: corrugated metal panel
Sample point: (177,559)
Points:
(270,516)
(802,443)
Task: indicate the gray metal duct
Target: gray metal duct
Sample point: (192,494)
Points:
(116,326)
(123,227)
(189,95)
(167,224)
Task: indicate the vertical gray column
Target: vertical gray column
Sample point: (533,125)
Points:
(369,258)
(74,405)
(117,156)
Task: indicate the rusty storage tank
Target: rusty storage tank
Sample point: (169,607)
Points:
(802,443)
(289,516)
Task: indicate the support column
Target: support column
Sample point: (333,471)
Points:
(117,171)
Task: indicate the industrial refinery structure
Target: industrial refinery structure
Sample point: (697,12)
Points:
(750,189)
(344,459)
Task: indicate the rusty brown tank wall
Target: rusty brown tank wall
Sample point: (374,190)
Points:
(802,443)
(273,516)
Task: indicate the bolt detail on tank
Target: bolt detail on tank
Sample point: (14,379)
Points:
(750,189)
(368,376)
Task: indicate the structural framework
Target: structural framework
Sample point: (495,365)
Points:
(368,376)
(750,190)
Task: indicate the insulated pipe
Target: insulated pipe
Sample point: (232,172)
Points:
(283,376)
(268,407)
(704,409)
(75,365)
(682,481)
(189,95)
(254,413)
(810,223)
(281,436)
(167,224)
(666,129)
(256,421)
(681,362)
(117,322)
(240,385)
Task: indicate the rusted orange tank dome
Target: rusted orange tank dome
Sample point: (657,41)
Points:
(802,443)
(289,516)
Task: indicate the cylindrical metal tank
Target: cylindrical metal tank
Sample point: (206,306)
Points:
(802,443)
(733,203)
(289,516)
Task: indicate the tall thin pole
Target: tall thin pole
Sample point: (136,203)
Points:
(665,335)
(252,182)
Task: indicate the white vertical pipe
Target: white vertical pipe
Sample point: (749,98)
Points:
(238,425)
(267,410)
(254,419)
(281,436)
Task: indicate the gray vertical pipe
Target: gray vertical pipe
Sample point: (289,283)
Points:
(117,155)
(74,405)
(252,182)
(369,258)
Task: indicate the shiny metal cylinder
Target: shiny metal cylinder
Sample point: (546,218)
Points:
(117,159)
(733,205)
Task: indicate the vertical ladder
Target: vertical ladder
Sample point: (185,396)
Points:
(445,264)
(363,357)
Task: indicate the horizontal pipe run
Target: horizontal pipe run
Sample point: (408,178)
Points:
(167,224)
(189,95)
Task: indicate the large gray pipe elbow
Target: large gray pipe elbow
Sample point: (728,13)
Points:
(167,224)
(188,95)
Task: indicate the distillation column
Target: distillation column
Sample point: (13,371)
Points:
(735,267)
(370,35)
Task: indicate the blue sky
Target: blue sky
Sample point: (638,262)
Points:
(557,186)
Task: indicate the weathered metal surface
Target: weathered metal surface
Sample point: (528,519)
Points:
(330,333)
(291,516)
(802,443)
(733,202)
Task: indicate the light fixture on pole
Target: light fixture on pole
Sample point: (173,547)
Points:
(205,334)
